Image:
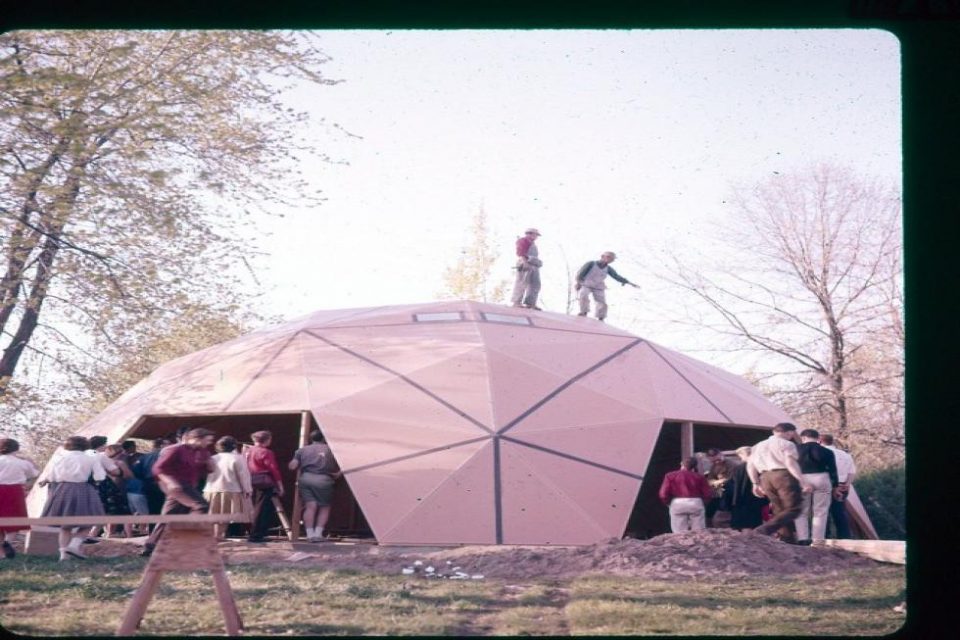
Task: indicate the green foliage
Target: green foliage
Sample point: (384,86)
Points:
(129,160)
(884,496)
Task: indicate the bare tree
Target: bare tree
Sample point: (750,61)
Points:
(807,269)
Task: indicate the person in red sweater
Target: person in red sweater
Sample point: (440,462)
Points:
(179,469)
(266,480)
(685,492)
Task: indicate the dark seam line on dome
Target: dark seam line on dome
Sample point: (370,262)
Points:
(497,488)
(574,458)
(693,386)
(566,384)
(186,373)
(262,369)
(413,384)
(413,455)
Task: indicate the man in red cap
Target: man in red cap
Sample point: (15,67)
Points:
(526,288)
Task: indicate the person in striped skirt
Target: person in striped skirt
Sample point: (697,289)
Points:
(70,491)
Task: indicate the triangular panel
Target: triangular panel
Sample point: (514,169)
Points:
(625,446)
(740,401)
(625,379)
(332,374)
(280,385)
(463,382)
(516,386)
(250,347)
(605,497)
(359,441)
(458,511)
(387,493)
(561,353)
(211,388)
(678,399)
(536,511)
(405,348)
(577,405)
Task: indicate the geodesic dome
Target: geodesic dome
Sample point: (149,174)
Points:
(460,422)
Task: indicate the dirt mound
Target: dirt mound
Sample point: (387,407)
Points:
(708,553)
(714,553)
(717,554)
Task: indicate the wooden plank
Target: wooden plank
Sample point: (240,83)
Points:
(281,514)
(304,441)
(894,551)
(138,604)
(183,547)
(228,606)
(686,440)
(80,521)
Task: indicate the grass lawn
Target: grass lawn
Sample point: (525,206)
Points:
(40,596)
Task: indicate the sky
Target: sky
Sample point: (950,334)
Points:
(621,140)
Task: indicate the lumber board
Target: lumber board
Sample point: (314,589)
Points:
(894,551)
(80,521)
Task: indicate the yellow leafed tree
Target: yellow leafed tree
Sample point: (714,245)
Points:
(470,278)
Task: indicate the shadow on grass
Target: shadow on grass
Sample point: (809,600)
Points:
(785,601)
(816,591)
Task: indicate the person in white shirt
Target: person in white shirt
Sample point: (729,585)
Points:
(97,447)
(774,469)
(228,488)
(15,472)
(70,492)
(846,472)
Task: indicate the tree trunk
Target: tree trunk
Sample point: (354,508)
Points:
(21,243)
(53,229)
(31,315)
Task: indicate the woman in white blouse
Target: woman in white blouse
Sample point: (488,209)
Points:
(228,487)
(15,472)
(71,493)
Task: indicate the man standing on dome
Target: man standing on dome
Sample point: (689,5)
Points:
(526,288)
(590,281)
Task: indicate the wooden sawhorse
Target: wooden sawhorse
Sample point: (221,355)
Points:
(186,544)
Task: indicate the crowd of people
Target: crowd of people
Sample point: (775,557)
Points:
(180,474)
(590,279)
(787,486)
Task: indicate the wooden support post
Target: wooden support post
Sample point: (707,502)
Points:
(186,544)
(686,440)
(282,515)
(296,515)
(183,547)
